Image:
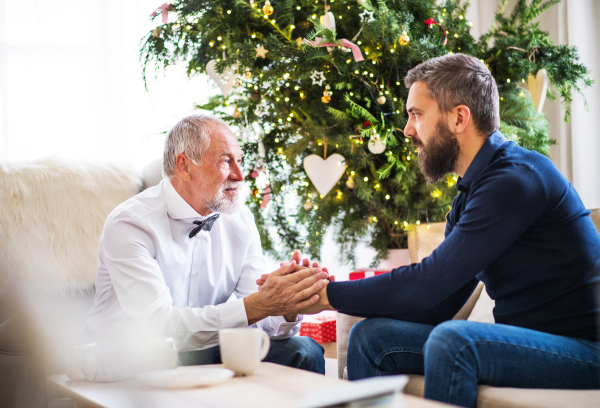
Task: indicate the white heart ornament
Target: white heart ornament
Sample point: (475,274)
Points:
(328,21)
(538,85)
(224,81)
(376,146)
(324,173)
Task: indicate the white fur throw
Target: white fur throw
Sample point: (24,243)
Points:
(52,214)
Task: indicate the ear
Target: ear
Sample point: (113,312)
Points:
(459,118)
(183,167)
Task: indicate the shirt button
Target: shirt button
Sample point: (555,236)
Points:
(192,305)
(195,273)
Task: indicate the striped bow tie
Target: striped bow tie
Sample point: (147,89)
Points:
(206,225)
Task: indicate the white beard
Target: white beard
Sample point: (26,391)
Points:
(222,203)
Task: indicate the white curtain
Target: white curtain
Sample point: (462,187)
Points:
(71,85)
(577,155)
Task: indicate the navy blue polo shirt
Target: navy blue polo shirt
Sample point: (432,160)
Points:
(517,225)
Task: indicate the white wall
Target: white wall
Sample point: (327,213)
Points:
(577,155)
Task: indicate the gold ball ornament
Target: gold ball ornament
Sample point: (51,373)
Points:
(381,99)
(236,113)
(307,205)
(350,182)
(327,94)
(404,39)
(237,82)
(268,9)
(248,74)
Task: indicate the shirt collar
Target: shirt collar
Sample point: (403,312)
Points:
(177,207)
(481,160)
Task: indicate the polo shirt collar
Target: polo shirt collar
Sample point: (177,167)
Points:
(177,207)
(481,160)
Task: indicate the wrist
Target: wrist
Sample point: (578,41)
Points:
(324,299)
(254,311)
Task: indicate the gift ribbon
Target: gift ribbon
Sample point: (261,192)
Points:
(318,42)
(164,12)
(430,21)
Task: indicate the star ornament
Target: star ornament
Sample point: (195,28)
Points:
(261,109)
(156,32)
(317,77)
(261,52)
(366,14)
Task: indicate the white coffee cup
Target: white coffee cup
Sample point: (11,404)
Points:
(243,349)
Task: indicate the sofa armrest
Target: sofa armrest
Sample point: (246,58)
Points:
(465,311)
(344,324)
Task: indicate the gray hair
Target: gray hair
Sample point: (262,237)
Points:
(191,136)
(458,79)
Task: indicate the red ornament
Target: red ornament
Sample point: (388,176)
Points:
(254,174)
(430,21)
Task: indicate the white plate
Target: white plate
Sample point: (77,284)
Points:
(185,377)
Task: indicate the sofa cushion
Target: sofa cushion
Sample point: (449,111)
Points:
(498,397)
(483,311)
(51,217)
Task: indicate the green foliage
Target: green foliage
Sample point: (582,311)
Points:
(389,190)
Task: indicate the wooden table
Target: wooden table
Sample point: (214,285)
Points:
(271,385)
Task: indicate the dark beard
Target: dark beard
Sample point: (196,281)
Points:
(440,155)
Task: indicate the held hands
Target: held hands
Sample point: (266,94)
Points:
(300,265)
(285,292)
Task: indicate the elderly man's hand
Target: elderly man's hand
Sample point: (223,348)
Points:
(285,293)
(300,264)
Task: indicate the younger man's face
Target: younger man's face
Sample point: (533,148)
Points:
(437,146)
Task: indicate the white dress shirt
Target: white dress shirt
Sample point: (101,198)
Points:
(152,275)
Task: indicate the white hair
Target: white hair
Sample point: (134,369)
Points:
(191,136)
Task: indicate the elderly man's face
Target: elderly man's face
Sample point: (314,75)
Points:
(217,181)
(437,146)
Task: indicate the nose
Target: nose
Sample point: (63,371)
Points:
(409,129)
(236,171)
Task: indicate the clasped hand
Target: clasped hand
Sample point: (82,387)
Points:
(304,272)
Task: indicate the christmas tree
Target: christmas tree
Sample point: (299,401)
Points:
(324,80)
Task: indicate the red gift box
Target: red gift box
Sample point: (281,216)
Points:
(320,329)
(366,273)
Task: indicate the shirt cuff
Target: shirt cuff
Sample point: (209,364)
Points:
(285,326)
(232,314)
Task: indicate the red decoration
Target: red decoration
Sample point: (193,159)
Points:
(164,11)
(266,197)
(320,329)
(254,174)
(430,21)
(366,273)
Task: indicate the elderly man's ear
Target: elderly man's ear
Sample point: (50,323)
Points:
(183,166)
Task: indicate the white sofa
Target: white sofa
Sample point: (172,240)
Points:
(478,308)
(52,214)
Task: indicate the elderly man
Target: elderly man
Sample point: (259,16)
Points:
(172,256)
(517,225)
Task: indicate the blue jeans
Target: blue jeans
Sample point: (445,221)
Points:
(457,355)
(298,352)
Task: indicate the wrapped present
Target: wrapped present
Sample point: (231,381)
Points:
(366,273)
(321,329)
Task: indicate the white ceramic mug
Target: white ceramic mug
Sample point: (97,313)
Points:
(243,349)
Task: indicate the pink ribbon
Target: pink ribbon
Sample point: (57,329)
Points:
(266,197)
(318,42)
(164,12)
